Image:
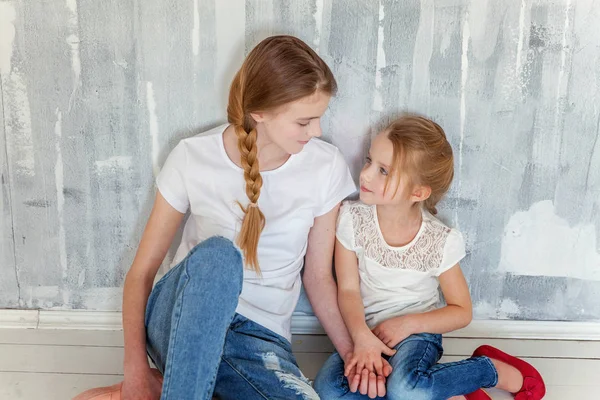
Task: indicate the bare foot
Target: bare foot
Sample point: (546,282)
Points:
(509,378)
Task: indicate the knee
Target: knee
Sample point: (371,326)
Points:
(328,390)
(217,259)
(330,382)
(324,386)
(410,394)
(407,388)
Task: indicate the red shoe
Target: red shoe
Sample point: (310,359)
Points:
(479,394)
(533,385)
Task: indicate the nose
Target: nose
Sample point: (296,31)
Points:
(315,129)
(365,174)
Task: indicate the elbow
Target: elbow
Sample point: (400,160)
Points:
(467,316)
(350,294)
(463,315)
(310,283)
(311,279)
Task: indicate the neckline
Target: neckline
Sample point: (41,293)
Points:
(382,238)
(240,169)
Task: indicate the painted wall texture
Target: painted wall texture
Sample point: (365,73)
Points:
(94,94)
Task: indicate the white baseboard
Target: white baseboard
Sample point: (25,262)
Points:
(492,329)
(309,325)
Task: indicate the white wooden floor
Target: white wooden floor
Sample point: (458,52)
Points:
(58,364)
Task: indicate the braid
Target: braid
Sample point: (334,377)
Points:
(249,160)
(254,220)
(278,71)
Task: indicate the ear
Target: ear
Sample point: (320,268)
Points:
(420,193)
(258,116)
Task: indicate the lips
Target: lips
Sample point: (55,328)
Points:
(365,190)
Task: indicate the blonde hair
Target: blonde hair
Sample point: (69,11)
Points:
(279,70)
(422,152)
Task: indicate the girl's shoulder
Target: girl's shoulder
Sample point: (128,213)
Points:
(446,245)
(355,207)
(320,147)
(357,215)
(214,135)
(442,234)
(354,224)
(200,147)
(435,224)
(323,159)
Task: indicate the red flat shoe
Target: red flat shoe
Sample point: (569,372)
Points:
(533,385)
(479,394)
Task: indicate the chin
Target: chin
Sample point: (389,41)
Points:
(295,149)
(366,198)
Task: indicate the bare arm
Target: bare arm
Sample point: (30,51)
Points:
(319,284)
(349,298)
(367,348)
(455,315)
(156,240)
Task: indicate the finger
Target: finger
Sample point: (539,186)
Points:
(380,386)
(355,382)
(378,366)
(372,392)
(349,367)
(360,366)
(364,381)
(387,351)
(372,367)
(387,368)
(351,373)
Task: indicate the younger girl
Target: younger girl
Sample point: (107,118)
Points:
(391,256)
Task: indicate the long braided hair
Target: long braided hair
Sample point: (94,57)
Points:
(279,70)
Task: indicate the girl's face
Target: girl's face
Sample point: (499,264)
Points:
(293,125)
(376,173)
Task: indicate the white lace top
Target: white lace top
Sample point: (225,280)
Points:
(398,280)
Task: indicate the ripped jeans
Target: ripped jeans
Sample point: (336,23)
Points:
(203,347)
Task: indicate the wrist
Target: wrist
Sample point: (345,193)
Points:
(360,333)
(412,323)
(137,368)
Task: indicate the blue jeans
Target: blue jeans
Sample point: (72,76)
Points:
(203,347)
(416,374)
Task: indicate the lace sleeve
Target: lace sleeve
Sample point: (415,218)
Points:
(345,227)
(454,251)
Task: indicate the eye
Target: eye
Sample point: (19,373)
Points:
(383,171)
(301,124)
(368,160)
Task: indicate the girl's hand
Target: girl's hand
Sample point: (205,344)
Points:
(395,330)
(369,383)
(367,355)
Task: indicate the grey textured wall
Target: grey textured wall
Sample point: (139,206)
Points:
(96,93)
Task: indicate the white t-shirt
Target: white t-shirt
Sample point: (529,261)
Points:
(199,175)
(403,280)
